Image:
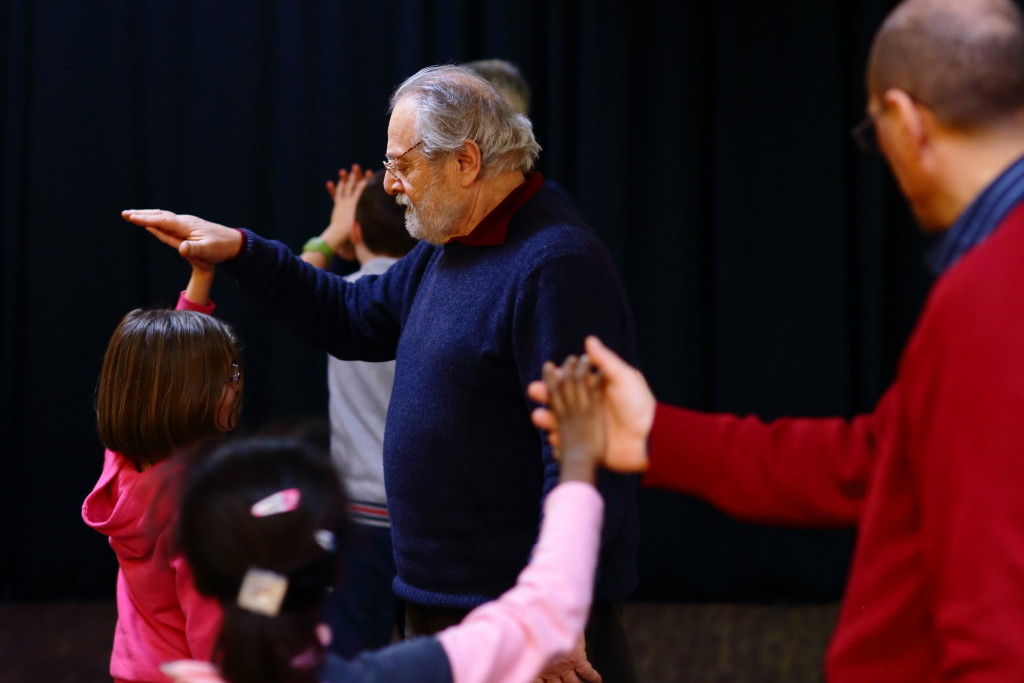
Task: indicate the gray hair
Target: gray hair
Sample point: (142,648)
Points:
(454,105)
(506,79)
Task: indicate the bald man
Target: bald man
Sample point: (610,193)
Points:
(934,478)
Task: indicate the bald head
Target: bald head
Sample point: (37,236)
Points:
(963,59)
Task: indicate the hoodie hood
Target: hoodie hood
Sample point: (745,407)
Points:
(132,508)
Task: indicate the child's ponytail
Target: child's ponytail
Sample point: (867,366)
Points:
(261,523)
(256,648)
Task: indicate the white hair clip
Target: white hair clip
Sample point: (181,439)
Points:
(276,503)
(325,539)
(262,591)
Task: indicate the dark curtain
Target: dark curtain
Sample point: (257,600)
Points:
(772,267)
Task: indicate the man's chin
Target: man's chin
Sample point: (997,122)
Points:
(416,231)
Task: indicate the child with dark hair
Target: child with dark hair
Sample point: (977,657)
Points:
(369,226)
(262,524)
(169,380)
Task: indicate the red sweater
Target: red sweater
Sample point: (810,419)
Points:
(933,479)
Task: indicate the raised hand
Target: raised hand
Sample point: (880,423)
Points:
(576,405)
(197,240)
(628,410)
(345,193)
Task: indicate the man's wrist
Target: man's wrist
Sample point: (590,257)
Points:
(243,242)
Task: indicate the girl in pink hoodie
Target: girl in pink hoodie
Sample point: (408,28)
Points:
(169,379)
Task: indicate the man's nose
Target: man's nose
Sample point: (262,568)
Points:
(392,185)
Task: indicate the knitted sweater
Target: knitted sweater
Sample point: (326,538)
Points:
(933,479)
(469,325)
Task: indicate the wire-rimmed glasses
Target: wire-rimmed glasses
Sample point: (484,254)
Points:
(389,164)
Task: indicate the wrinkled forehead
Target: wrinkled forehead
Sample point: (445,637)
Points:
(402,126)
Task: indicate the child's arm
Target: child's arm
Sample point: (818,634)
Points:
(196,296)
(203,614)
(542,617)
(576,403)
(337,236)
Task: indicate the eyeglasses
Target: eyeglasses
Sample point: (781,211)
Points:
(236,375)
(389,164)
(866,136)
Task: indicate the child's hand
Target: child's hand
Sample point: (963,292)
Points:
(575,395)
(345,194)
(628,406)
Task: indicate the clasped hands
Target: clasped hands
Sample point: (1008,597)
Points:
(627,408)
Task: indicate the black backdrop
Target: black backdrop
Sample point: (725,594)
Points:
(772,267)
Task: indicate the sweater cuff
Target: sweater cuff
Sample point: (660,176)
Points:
(660,445)
(245,243)
(186,304)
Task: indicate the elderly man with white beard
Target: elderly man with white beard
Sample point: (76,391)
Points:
(506,277)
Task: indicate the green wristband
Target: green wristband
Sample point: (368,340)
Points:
(319,244)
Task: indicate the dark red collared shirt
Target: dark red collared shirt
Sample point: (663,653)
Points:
(491,231)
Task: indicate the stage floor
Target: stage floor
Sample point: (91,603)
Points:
(69,642)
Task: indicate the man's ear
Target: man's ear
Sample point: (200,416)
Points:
(910,123)
(468,160)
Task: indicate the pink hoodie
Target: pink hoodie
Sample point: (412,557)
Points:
(160,615)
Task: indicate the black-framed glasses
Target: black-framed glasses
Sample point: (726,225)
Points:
(236,375)
(866,135)
(389,164)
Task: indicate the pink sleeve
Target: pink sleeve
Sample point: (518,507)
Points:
(788,471)
(514,637)
(185,304)
(203,615)
(191,671)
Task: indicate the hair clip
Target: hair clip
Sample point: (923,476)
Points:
(262,591)
(325,539)
(276,503)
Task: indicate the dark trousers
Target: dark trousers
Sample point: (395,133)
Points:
(362,610)
(607,647)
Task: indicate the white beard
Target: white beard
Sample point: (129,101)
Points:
(437,216)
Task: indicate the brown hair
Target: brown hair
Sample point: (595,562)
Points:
(162,381)
(382,220)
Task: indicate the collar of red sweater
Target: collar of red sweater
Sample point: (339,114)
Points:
(491,231)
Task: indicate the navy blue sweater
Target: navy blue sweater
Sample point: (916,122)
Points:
(421,660)
(469,327)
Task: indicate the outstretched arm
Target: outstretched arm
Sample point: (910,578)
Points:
(194,238)
(352,322)
(790,471)
(543,616)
